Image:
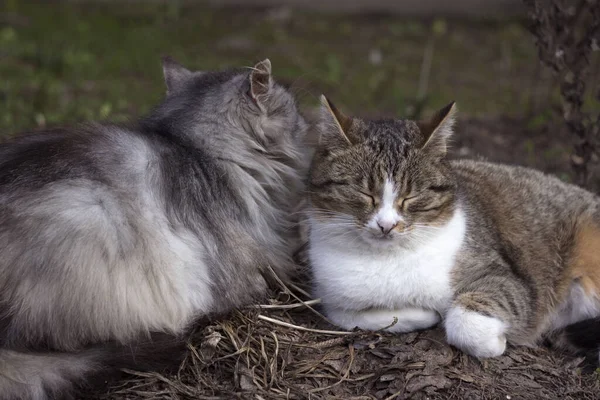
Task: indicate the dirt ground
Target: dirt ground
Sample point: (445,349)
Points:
(251,355)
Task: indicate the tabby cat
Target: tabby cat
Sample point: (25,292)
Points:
(114,239)
(402,238)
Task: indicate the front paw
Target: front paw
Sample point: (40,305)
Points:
(474,333)
(399,321)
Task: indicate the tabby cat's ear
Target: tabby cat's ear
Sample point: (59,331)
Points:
(261,82)
(438,129)
(176,75)
(335,125)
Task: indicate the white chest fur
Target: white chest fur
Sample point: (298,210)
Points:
(352,275)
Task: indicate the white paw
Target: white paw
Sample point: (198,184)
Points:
(413,319)
(403,320)
(476,334)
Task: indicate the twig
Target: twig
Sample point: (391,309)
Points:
(286,306)
(300,290)
(283,285)
(328,343)
(302,328)
(342,379)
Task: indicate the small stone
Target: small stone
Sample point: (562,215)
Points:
(387,377)
(375,57)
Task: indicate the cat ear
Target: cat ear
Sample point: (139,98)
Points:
(438,129)
(334,122)
(176,75)
(261,82)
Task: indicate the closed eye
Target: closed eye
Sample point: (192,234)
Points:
(404,200)
(429,209)
(439,188)
(370,196)
(419,206)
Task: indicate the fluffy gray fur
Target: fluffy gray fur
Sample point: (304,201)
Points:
(108,233)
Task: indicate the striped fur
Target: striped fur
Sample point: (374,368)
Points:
(525,264)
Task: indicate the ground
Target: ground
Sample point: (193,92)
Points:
(64,63)
(248,357)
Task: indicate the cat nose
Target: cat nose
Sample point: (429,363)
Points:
(386,226)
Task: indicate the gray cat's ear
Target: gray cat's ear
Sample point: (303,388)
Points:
(176,75)
(334,122)
(261,82)
(438,129)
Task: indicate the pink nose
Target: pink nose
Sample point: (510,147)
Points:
(386,226)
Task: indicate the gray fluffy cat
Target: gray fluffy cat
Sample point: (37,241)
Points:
(109,234)
(402,238)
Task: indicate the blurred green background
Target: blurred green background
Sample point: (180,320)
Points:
(62,62)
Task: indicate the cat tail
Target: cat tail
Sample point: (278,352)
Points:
(57,375)
(583,338)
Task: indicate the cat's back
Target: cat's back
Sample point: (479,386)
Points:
(90,202)
(530,219)
(98,153)
(521,192)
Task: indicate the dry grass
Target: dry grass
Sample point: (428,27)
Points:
(286,350)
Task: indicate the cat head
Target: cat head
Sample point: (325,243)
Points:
(246,103)
(388,181)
